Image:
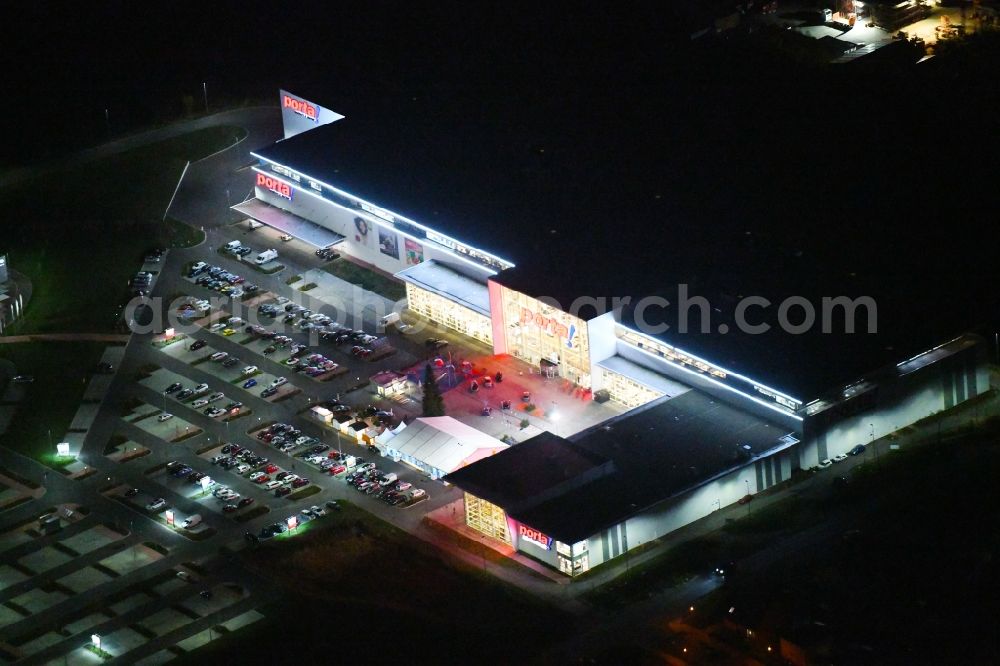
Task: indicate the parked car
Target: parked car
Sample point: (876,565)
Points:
(176,386)
(250,383)
(857,450)
(157,504)
(163,417)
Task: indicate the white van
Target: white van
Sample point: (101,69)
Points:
(191,521)
(266,256)
(391,318)
(233,245)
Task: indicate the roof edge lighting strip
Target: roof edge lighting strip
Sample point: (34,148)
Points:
(929,351)
(509,263)
(375,220)
(770,405)
(714,365)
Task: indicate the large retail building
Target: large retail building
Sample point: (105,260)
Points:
(790,401)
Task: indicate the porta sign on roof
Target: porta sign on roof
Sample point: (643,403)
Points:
(300,115)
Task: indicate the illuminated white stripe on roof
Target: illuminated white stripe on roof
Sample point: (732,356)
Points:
(376,220)
(770,405)
(509,264)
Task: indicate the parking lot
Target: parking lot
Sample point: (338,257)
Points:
(205,442)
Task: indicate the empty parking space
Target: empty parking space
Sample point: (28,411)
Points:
(91,539)
(131,559)
(44,559)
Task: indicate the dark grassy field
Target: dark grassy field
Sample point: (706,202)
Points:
(61,371)
(366,278)
(913,581)
(357,589)
(80,234)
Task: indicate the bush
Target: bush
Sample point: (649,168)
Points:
(524,423)
(293,279)
(307,287)
(530,407)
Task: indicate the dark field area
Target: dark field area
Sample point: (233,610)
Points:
(913,581)
(79,234)
(362,587)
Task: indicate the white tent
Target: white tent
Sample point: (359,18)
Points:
(438,445)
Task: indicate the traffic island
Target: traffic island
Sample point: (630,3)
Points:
(308,491)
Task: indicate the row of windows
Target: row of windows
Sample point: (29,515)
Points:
(487,518)
(628,391)
(449,314)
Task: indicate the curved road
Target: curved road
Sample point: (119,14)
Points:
(260,121)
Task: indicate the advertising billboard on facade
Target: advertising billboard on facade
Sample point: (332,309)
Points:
(300,115)
(388,243)
(414,252)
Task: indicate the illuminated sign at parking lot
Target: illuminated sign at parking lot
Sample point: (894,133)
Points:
(275,185)
(535,537)
(301,107)
(170,517)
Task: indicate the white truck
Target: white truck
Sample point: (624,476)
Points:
(266,256)
(192,521)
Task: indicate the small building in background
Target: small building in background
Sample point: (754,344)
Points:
(388,383)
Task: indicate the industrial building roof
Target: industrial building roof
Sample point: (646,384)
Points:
(592,198)
(441,279)
(656,452)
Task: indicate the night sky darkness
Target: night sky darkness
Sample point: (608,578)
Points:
(725,164)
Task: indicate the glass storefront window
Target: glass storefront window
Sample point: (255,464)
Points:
(626,391)
(487,518)
(448,313)
(542,335)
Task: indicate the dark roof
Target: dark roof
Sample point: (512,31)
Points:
(521,474)
(658,451)
(590,196)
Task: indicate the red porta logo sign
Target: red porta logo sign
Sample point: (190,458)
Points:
(275,185)
(301,107)
(535,537)
(545,323)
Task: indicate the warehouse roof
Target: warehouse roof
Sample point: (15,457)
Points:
(657,451)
